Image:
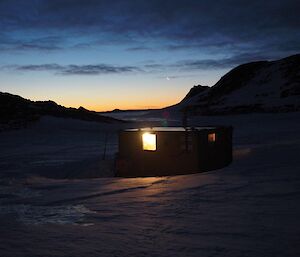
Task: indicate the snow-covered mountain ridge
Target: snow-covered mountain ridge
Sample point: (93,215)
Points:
(263,86)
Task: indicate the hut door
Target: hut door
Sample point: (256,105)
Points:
(207,150)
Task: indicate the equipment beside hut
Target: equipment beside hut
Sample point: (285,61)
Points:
(164,151)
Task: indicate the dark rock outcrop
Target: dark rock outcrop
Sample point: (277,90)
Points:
(16,111)
(195,90)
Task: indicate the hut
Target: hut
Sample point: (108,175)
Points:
(164,151)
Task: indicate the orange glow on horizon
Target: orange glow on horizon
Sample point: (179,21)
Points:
(110,105)
(122,105)
(108,101)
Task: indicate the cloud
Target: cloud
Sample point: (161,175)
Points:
(44,44)
(139,48)
(97,69)
(154,66)
(31,67)
(191,65)
(165,25)
(72,69)
(222,63)
(210,63)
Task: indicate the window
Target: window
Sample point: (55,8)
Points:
(149,141)
(211,137)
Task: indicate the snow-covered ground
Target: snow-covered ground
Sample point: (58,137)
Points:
(250,208)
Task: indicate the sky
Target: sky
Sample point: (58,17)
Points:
(135,54)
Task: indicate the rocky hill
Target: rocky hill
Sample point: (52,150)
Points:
(264,86)
(16,111)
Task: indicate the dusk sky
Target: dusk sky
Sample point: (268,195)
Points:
(135,54)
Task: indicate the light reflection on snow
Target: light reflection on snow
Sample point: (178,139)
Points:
(39,215)
(241,152)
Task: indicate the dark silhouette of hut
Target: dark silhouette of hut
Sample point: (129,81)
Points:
(164,151)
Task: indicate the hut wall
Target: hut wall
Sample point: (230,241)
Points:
(177,152)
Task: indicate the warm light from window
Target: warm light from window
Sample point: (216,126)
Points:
(212,137)
(149,142)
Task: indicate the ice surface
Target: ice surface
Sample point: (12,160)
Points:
(250,208)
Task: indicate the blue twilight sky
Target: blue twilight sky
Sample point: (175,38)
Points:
(135,54)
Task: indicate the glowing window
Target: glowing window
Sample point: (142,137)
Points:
(149,142)
(211,137)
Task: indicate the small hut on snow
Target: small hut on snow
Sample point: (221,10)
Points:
(164,151)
